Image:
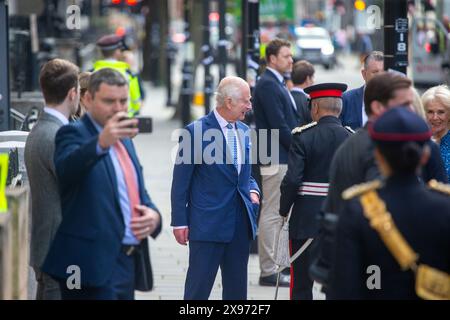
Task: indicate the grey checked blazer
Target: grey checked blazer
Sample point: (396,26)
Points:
(45,199)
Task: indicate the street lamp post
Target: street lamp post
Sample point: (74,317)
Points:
(222,40)
(4,62)
(395,35)
(208,59)
(186,89)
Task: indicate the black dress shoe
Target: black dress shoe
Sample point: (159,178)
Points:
(286,272)
(271,281)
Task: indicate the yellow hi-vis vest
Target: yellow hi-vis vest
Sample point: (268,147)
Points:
(134,102)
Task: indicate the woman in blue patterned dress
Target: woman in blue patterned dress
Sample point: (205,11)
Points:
(436,101)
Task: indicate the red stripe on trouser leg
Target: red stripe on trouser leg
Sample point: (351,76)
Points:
(291,269)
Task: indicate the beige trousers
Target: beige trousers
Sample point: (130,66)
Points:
(270,221)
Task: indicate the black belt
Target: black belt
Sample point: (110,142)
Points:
(129,249)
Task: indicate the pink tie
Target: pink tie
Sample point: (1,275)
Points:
(129,175)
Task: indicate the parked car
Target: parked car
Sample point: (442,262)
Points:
(314,44)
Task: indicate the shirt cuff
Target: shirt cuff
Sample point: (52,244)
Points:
(179,227)
(255,191)
(100,150)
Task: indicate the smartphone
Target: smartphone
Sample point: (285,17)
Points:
(145,124)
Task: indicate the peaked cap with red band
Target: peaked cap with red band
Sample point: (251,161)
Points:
(326,90)
(399,124)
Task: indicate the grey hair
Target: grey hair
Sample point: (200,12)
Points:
(440,94)
(373,56)
(107,75)
(333,105)
(229,87)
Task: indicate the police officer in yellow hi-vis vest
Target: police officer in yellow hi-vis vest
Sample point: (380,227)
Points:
(111,47)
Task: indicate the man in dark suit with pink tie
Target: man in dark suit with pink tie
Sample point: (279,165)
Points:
(107,212)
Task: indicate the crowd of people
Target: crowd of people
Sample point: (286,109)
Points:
(375,157)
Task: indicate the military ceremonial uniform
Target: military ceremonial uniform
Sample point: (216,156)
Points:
(390,232)
(305,187)
(354,163)
(423,217)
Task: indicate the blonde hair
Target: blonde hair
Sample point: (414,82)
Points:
(83,79)
(418,105)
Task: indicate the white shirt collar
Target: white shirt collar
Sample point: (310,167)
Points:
(57,114)
(298,89)
(222,122)
(276,73)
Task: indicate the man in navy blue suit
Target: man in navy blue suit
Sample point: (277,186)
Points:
(215,200)
(353,112)
(107,214)
(275,111)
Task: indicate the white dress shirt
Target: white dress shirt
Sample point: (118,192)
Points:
(57,114)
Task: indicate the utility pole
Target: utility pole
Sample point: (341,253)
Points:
(187,89)
(395,35)
(4,62)
(208,59)
(250,41)
(222,40)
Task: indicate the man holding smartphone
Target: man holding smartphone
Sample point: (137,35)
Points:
(107,213)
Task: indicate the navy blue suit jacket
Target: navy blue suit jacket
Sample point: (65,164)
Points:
(273,109)
(205,195)
(92,228)
(351,114)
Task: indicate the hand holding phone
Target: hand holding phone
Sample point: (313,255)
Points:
(145,124)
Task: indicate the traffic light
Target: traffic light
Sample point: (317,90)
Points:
(133,6)
(360,5)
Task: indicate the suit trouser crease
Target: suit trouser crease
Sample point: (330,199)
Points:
(205,258)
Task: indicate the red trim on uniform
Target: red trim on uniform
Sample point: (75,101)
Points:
(291,270)
(381,136)
(326,93)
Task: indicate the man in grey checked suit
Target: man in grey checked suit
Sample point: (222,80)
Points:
(59,84)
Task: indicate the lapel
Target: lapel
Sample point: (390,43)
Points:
(109,167)
(284,91)
(359,102)
(212,123)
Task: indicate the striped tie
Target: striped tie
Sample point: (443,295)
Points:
(232,143)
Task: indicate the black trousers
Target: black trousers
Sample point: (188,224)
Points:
(301,283)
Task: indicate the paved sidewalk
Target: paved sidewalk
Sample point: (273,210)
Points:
(169,259)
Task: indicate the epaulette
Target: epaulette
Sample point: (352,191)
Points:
(439,186)
(349,129)
(359,189)
(303,128)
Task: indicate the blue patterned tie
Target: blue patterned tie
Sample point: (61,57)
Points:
(232,143)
